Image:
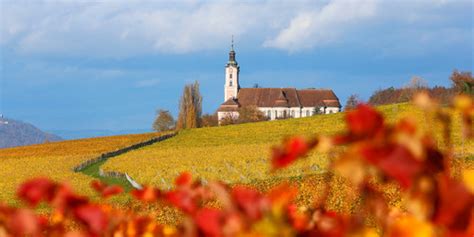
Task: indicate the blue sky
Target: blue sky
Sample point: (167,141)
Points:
(75,65)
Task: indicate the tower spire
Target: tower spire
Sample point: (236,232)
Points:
(232,43)
(232,53)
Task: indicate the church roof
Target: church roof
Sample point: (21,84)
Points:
(318,98)
(229,105)
(268,97)
(281,97)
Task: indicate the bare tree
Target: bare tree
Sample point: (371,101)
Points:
(209,120)
(352,102)
(164,121)
(249,114)
(229,119)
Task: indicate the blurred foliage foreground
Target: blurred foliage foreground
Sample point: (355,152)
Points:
(436,195)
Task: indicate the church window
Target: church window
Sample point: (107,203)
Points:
(307,113)
(269,113)
(230,82)
(230,75)
(276,116)
(292,113)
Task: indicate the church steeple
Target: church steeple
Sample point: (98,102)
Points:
(232,54)
(231,87)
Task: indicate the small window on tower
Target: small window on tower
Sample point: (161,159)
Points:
(230,83)
(230,75)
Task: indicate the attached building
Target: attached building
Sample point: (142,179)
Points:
(275,103)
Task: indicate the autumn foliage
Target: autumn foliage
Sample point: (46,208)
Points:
(370,153)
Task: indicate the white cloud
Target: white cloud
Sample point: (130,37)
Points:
(119,28)
(322,26)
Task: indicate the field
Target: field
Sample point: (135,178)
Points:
(234,154)
(56,160)
(240,153)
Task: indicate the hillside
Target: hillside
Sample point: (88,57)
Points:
(56,160)
(235,154)
(240,153)
(16,133)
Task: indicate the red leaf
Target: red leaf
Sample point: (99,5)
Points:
(209,221)
(282,195)
(111,191)
(36,190)
(93,217)
(364,121)
(147,194)
(23,222)
(106,190)
(182,200)
(97,185)
(393,160)
(455,205)
(184,179)
(291,150)
(298,220)
(251,202)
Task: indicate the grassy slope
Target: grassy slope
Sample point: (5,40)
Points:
(240,153)
(56,160)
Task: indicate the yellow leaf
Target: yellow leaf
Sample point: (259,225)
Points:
(468,178)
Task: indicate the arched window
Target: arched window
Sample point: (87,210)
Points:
(230,75)
(230,82)
(292,113)
(269,113)
(307,113)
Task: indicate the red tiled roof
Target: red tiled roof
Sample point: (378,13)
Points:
(267,97)
(281,97)
(318,97)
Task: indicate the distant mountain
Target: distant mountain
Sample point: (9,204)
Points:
(17,133)
(78,134)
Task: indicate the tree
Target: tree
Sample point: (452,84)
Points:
(248,114)
(209,120)
(416,85)
(318,110)
(462,82)
(190,107)
(352,102)
(164,121)
(229,119)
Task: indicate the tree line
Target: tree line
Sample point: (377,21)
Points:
(190,105)
(461,83)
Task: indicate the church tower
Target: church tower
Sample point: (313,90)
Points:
(231,87)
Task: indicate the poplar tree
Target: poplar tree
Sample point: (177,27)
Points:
(190,107)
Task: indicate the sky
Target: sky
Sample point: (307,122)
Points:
(110,64)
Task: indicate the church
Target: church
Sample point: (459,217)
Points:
(275,103)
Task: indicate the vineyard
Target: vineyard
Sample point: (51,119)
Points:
(56,160)
(241,153)
(379,179)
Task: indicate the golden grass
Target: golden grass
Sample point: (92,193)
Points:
(240,153)
(56,160)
